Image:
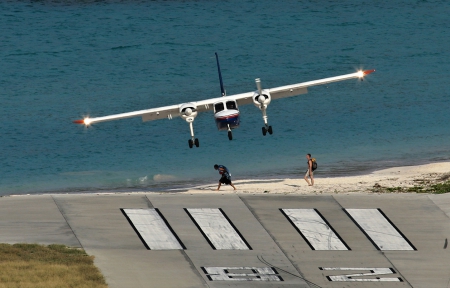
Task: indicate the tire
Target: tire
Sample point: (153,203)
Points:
(264,130)
(270,130)
(230,135)
(196,142)
(191,143)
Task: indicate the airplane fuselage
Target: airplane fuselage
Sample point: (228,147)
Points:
(227,119)
(226,115)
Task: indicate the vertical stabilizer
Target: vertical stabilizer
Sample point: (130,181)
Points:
(222,89)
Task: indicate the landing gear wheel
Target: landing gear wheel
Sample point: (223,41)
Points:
(196,142)
(191,143)
(264,130)
(230,135)
(270,130)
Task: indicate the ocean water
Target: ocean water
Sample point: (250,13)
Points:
(62,60)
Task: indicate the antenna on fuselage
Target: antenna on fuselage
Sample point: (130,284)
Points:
(220,76)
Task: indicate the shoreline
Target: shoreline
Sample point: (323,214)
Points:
(389,180)
(377,181)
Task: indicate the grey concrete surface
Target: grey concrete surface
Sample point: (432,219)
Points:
(96,223)
(119,253)
(34,219)
(201,253)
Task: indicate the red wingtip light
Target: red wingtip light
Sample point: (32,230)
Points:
(367,72)
(85,121)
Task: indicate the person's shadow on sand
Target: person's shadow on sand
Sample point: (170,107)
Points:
(296,186)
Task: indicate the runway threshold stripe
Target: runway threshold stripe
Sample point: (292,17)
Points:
(217,229)
(153,229)
(316,231)
(379,229)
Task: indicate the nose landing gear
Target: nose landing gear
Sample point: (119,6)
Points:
(230,134)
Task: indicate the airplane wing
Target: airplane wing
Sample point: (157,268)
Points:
(147,115)
(299,88)
(172,111)
(282,91)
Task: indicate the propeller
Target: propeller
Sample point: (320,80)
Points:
(261,97)
(258,85)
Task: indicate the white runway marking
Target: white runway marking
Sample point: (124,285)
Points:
(217,229)
(379,229)
(152,229)
(241,274)
(314,229)
(361,278)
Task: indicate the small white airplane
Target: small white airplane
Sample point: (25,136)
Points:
(226,111)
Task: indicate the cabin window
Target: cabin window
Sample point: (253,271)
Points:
(231,105)
(218,107)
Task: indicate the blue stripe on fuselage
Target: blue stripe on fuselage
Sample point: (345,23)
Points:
(232,120)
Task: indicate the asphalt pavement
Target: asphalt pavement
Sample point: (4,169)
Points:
(243,240)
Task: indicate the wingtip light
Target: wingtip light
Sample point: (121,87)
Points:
(362,73)
(367,72)
(85,121)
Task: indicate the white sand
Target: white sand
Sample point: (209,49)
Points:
(407,176)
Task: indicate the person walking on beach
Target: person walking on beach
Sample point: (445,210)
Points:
(226,176)
(310,170)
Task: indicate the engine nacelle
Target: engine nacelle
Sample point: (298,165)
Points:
(188,111)
(261,100)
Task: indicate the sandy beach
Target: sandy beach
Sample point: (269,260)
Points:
(391,180)
(404,179)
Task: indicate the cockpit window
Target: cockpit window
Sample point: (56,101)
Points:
(231,105)
(218,107)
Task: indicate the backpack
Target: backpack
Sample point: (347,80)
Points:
(314,164)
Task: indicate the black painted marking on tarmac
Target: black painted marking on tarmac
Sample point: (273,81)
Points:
(170,228)
(200,229)
(235,229)
(398,230)
(296,228)
(362,230)
(165,222)
(332,229)
(206,273)
(134,228)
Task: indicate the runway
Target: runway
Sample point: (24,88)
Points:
(242,240)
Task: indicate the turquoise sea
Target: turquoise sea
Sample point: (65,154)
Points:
(62,60)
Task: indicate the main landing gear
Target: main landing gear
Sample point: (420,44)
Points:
(266,129)
(193,141)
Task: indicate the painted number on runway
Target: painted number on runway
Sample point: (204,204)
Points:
(362,277)
(241,274)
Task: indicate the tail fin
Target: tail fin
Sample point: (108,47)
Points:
(220,76)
